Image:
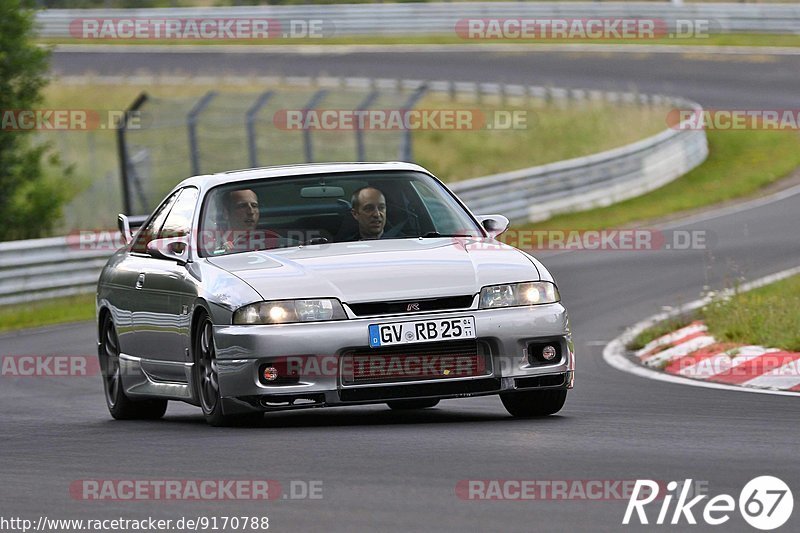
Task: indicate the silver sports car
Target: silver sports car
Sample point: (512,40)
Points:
(322,285)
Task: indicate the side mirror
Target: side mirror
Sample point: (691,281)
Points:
(124,228)
(495,225)
(174,249)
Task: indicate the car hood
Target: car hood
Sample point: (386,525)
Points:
(383,270)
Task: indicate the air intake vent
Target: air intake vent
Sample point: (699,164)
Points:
(412,306)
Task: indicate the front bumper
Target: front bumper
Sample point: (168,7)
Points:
(504,335)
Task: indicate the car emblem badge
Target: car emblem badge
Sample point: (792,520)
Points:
(413,307)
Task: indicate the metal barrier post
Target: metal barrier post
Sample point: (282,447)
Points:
(252,113)
(122,150)
(405,147)
(191,122)
(361,153)
(313,103)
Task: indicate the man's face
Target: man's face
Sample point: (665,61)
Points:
(370,214)
(243,210)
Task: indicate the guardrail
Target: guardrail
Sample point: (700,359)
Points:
(441,18)
(47,268)
(537,193)
(59,266)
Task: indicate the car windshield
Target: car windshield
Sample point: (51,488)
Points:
(320,209)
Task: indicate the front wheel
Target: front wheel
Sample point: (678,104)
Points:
(528,404)
(403,405)
(206,380)
(119,405)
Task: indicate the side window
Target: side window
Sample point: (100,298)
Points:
(149,232)
(179,220)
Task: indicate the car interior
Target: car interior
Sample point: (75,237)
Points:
(302,212)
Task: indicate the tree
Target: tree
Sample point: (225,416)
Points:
(30,203)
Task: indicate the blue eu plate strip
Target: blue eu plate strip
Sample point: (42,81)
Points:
(374,336)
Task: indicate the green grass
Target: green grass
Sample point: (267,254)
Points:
(767,316)
(551,134)
(662,328)
(47,312)
(717,39)
(740,163)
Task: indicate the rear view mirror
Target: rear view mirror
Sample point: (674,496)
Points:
(175,249)
(495,225)
(322,191)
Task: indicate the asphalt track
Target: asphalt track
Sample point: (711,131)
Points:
(719,80)
(390,471)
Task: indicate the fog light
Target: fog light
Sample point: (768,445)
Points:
(548,353)
(270,373)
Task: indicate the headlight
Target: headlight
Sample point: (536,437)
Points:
(517,294)
(288,311)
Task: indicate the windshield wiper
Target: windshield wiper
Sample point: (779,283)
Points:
(434,234)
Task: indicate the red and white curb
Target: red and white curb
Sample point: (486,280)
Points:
(691,356)
(693,353)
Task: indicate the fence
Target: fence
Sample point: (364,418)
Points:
(226,130)
(44,268)
(441,18)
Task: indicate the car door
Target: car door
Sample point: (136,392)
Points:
(168,293)
(131,301)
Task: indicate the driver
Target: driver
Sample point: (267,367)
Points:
(368,207)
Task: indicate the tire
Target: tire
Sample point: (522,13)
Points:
(529,404)
(206,379)
(119,405)
(403,405)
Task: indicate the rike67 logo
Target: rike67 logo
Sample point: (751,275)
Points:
(765,503)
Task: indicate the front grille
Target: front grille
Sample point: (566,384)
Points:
(412,306)
(415,362)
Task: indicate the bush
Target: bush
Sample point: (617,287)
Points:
(30,203)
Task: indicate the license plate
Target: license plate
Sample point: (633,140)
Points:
(444,329)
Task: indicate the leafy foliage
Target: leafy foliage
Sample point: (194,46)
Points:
(30,203)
